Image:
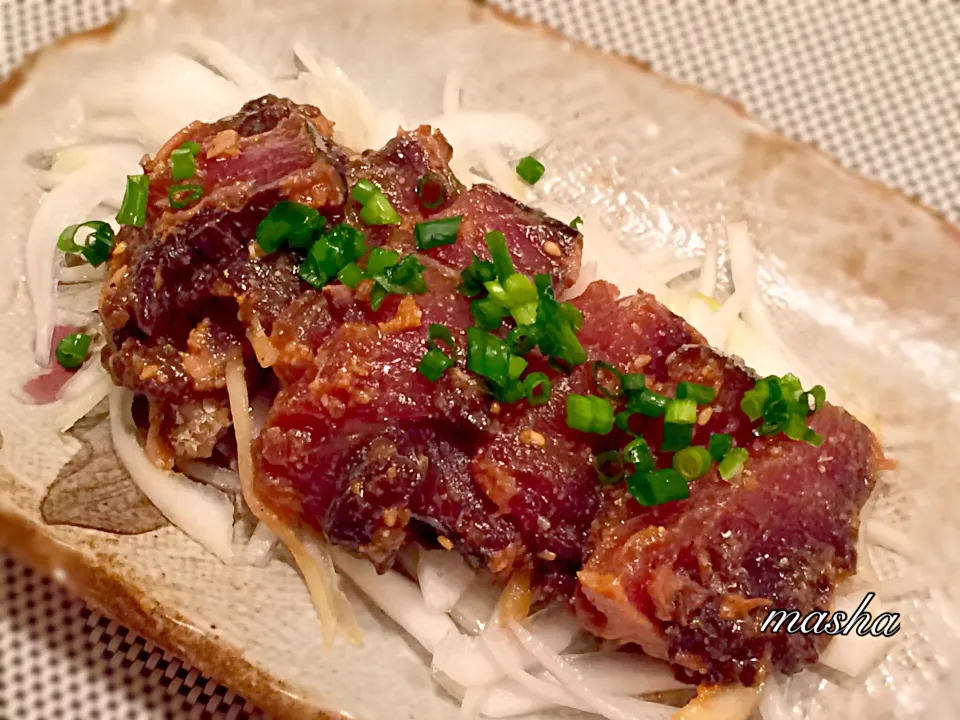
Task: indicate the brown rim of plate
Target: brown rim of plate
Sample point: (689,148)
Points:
(109,593)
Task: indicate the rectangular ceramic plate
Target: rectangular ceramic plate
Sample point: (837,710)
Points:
(859,279)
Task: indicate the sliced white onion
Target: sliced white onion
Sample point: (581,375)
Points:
(398,597)
(229,64)
(221,478)
(443,577)
(721,702)
(91,374)
(475,607)
(202,512)
(882,534)
(77,406)
(452,85)
(82,274)
(854,654)
(70,202)
(260,546)
(707,282)
(473,131)
(615,673)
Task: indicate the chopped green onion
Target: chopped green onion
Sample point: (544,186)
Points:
(634,383)
(291,222)
(99,242)
(435,233)
(813,438)
(377,296)
(193,147)
(133,209)
(431,190)
(517,366)
(701,394)
(530,169)
(638,454)
(622,420)
(600,366)
(776,415)
(72,350)
(536,388)
(813,399)
(487,313)
(522,339)
(589,413)
(497,244)
(443,334)
(182,165)
(181,196)
(648,403)
(790,387)
(364,190)
(692,462)
(676,436)
(379,211)
(474,277)
(732,464)
(403,278)
(658,487)
(375,208)
(609,467)
(576,222)
(488,356)
(380,259)
(681,412)
(753,401)
(351,275)
(433,364)
(518,295)
(719,445)
(557,325)
(337,248)
(796,427)
(436,361)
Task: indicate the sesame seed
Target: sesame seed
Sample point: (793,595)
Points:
(552,249)
(495,407)
(445,542)
(704,417)
(547,555)
(532,437)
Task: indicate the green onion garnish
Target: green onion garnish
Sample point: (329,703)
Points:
(435,233)
(676,436)
(782,406)
(613,389)
(474,277)
(813,399)
(393,277)
(497,244)
(589,413)
(530,169)
(72,350)
(181,196)
(638,453)
(701,394)
(133,209)
(692,462)
(98,246)
(351,275)
(182,164)
(732,463)
(536,388)
(576,222)
(436,361)
(658,487)
(431,190)
(813,438)
(719,445)
(376,209)
(340,246)
(609,467)
(433,364)
(488,356)
(634,383)
(681,412)
(622,421)
(487,313)
(518,295)
(380,259)
(192,146)
(522,339)
(291,222)
(557,325)
(648,403)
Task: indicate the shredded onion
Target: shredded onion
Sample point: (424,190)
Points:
(202,512)
(259,547)
(398,597)
(220,478)
(721,702)
(853,654)
(443,577)
(321,585)
(881,534)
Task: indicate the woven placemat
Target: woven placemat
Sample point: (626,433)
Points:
(876,84)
